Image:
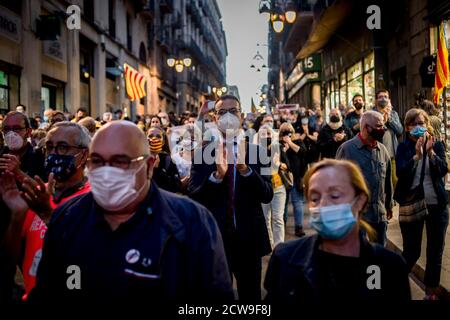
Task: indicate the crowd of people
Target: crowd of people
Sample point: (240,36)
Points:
(146,209)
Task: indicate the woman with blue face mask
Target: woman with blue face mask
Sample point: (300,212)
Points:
(422,166)
(338,262)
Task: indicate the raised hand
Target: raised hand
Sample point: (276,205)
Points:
(11,195)
(37,195)
(221,162)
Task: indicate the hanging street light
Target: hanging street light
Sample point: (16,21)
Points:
(279,13)
(179,64)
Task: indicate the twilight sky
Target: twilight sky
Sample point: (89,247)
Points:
(244,28)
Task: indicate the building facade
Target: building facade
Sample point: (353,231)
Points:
(46,64)
(355,59)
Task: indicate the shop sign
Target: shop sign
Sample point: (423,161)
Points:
(311,63)
(427,71)
(55,50)
(10,25)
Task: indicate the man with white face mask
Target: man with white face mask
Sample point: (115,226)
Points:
(332,135)
(233,189)
(133,243)
(19,156)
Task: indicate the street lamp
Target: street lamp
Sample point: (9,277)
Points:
(179,64)
(219,90)
(278,14)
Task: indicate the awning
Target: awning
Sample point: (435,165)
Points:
(324,27)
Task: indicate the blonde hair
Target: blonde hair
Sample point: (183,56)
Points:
(356,179)
(287,126)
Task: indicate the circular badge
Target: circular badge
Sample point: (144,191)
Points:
(132,256)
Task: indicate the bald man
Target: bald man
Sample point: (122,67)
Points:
(127,241)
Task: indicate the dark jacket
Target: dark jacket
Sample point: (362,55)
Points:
(166,176)
(351,120)
(250,192)
(32,162)
(298,163)
(294,274)
(406,170)
(327,146)
(189,255)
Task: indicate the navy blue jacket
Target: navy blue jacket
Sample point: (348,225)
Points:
(250,192)
(170,250)
(294,278)
(406,170)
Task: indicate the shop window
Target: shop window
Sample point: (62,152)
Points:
(9,91)
(343,89)
(52,94)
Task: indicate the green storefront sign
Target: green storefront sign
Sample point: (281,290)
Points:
(311,63)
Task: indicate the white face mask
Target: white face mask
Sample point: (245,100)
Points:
(13,140)
(229,123)
(164,121)
(114,188)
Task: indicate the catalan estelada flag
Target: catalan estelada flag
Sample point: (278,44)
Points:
(441,78)
(134,82)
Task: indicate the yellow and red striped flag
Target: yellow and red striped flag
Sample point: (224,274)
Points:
(134,82)
(441,78)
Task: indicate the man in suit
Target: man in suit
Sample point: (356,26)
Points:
(233,187)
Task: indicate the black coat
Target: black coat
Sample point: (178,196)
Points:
(250,192)
(298,163)
(166,176)
(293,275)
(406,170)
(327,146)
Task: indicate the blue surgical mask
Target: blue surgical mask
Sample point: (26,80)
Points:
(332,222)
(418,131)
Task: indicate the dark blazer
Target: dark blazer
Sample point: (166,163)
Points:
(250,192)
(293,279)
(327,146)
(406,170)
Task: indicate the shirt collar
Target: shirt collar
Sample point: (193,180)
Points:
(361,142)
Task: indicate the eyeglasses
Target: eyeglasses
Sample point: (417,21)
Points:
(420,123)
(121,162)
(15,129)
(61,149)
(222,112)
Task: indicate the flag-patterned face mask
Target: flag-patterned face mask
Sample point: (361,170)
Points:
(156,142)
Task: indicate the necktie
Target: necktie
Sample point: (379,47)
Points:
(230,214)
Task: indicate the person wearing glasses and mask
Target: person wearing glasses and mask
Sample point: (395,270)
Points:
(131,242)
(375,162)
(19,156)
(165,172)
(232,178)
(421,162)
(338,263)
(66,146)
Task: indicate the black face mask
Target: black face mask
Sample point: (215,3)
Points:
(358,106)
(62,166)
(334,119)
(377,134)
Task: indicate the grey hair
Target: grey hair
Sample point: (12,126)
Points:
(369,117)
(84,137)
